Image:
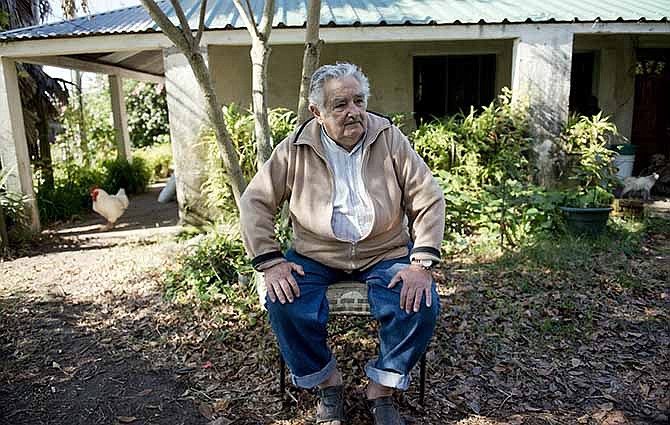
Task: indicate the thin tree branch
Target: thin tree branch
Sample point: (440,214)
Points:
(266,21)
(310,59)
(248,20)
(169,29)
(252,18)
(186,28)
(201,22)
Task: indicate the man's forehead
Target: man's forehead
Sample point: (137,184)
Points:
(343,88)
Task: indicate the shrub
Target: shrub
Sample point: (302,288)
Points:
(133,176)
(12,206)
(147,113)
(70,194)
(158,158)
(241,129)
(484,147)
(482,162)
(209,268)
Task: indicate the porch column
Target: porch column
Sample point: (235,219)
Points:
(617,83)
(120,117)
(188,118)
(541,66)
(13,146)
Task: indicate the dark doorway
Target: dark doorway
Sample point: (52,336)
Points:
(651,116)
(582,99)
(447,85)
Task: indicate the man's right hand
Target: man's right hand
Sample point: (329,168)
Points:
(280,282)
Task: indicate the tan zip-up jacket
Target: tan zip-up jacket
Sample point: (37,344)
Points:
(403,192)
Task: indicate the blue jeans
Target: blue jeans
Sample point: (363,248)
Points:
(300,327)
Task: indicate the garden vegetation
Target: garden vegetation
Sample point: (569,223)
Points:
(484,162)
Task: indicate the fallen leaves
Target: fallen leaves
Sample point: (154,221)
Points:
(517,343)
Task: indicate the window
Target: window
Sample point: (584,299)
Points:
(446,85)
(582,99)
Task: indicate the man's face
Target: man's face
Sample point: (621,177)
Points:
(344,119)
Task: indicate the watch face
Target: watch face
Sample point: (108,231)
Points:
(426,263)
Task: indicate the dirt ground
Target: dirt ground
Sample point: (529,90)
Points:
(67,309)
(86,337)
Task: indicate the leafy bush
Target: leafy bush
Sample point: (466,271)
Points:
(482,162)
(70,194)
(133,176)
(98,128)
(158,158)
(12,206)
(484,148)
(241,129)
(147,113)
(282,122)
(210,269)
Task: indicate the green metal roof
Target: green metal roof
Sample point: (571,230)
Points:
(221,14)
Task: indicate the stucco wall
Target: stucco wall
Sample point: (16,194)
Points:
(388,66)
(613,82)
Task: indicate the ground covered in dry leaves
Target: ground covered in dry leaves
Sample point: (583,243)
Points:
(86,337)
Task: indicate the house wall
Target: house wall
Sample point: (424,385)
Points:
(614,81)
(387,65)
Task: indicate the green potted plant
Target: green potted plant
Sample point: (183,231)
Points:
(588,173)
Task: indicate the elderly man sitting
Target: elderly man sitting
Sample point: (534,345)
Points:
(363,206)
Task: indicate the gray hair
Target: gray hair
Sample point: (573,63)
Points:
(328,72)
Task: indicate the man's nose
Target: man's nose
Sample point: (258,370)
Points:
(352,110)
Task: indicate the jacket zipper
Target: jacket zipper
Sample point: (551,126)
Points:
(353,252)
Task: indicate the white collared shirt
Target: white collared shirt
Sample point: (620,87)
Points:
(352,208)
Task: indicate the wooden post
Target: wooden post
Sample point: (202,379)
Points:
(120,117)
(13,146)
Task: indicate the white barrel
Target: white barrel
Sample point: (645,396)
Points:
(624,164)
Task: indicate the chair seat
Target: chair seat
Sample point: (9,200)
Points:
(348,298)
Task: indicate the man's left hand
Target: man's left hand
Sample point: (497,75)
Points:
(416,281)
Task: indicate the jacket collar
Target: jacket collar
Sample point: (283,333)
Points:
(310,132)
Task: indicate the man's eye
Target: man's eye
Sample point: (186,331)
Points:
(359,101)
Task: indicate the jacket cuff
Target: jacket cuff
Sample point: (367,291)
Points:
(263,261)
(425,253)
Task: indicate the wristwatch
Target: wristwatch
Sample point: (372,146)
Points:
(426,263)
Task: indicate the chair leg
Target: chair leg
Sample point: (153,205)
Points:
(282,376)
(422,378)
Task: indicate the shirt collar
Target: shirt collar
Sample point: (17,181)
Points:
(332,144)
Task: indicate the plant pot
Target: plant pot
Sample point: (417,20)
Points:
(586,221)
(624,160)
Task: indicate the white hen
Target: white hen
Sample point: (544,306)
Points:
(109,206)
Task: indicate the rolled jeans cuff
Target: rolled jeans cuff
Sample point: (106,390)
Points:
(314,379)
(386,378)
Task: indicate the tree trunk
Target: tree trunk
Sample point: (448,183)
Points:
(83,142)
(260,54)
(215,113)
(189,46)
(310,59)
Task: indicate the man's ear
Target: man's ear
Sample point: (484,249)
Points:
(317,114)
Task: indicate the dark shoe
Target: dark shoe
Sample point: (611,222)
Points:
(385,412)
(331,404)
